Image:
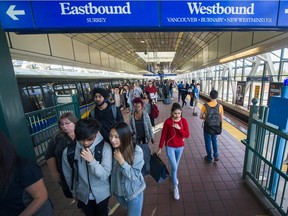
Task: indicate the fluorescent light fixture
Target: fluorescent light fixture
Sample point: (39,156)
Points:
(157,57)
(247,53)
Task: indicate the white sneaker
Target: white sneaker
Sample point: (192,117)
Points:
(176,193)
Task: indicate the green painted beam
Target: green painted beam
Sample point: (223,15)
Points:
(12,119)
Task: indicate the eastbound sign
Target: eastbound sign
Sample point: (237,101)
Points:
(95,14)
(149,15)
(79,15)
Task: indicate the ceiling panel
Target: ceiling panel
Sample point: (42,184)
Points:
(125,45)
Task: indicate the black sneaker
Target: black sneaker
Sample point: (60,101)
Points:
(207,160)
(216,159)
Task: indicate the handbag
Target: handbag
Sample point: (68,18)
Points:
(158,169)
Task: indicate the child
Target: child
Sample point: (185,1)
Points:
(154,112)
(127,181)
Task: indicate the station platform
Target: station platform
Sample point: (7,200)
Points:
(215,189)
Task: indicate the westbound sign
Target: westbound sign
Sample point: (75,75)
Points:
(149,15)
(250,14)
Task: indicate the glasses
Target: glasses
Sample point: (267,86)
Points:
(65,123)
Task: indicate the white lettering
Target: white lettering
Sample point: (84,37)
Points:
(89,8)
(198,8)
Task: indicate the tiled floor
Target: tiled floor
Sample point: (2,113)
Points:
(205,189)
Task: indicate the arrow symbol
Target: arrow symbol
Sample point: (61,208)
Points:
(11,12)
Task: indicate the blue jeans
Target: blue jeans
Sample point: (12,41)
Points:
(134,207)
(208,139)
(174,155)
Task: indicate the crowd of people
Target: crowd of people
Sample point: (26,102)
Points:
(101,156)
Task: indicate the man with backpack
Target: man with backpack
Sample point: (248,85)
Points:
(212,113)
(105,113)
(87,167)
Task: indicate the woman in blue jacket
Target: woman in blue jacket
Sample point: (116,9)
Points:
(127,181)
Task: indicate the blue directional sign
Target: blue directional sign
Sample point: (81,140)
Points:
(283,14)
(95,14)
(16,15)
(209,14)
(147,15)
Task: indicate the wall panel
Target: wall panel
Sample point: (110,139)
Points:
(61,46)
(81,51)
(241,40)
(31,43)
(224,44)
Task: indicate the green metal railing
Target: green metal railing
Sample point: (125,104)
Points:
(43,124)
(262,149)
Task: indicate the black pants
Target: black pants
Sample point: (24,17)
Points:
(152,121)
(192,101)
(94,209)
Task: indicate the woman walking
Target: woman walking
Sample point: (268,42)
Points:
(174,131)
(127,182)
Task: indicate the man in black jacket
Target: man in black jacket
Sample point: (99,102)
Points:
(105,113)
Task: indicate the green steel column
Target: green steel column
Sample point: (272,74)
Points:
(251,134)
(76,106)
(12,119)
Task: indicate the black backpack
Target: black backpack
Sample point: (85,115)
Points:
(213,123)
(71,154)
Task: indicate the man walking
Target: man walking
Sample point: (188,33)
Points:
(212,113)
(105,113)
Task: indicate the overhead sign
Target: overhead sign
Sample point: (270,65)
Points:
(133,15)
(78,15)
(283,14)
(187,14)
(16,15)
(259,78)
(95,14)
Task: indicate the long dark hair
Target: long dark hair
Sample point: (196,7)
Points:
(8,163)
(126,147)
(176,106)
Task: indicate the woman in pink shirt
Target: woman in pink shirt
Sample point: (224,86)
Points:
(174,131)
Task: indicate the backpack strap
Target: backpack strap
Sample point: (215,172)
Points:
(114,111)
(207,110)
(98,151)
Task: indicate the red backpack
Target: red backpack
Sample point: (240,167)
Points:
(154,111)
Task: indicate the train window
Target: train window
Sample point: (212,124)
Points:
(27,102)
(72,86)
(36,96)
(87,92)
(58,87)
(80,94)
(48,94)
(65,86)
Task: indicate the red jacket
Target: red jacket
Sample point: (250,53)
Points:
(173,137)
(151,89)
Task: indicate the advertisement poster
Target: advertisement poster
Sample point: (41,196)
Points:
(257,91)
(274,90)
(240,93)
